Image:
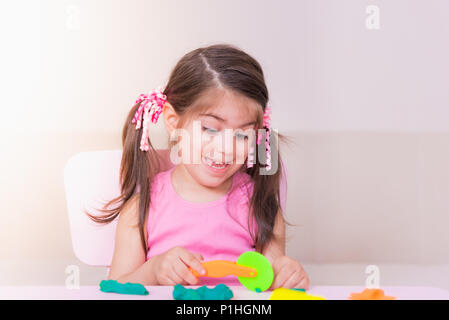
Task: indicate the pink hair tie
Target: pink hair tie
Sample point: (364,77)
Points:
(266,124)
(151,106)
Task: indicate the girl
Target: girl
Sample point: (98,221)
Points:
(215,208)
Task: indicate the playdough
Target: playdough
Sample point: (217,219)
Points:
(253,270)
(288,294)
(124,288)
(219,292)
(370,294)
(265,275)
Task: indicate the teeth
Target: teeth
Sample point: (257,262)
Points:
(215,165)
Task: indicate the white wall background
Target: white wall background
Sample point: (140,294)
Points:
(368,111)
(82,60)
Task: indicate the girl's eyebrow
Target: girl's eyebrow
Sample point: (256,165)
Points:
(223,120)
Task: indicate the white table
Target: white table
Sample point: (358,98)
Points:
(240,293)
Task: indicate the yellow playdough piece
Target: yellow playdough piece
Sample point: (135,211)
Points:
(288,294)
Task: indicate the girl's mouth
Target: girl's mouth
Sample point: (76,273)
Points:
(215,166)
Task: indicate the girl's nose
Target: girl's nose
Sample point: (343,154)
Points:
(224,148)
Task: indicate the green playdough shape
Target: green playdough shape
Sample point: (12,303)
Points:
(219,292)
(265,275)
(124,288)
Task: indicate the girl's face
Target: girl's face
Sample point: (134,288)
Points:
(220,137)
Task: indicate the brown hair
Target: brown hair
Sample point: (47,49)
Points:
(220,65)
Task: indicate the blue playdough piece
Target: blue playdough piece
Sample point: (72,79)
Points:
(124,288)
(219,292)
(298,289)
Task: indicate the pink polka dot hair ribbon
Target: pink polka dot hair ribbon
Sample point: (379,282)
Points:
(151,106)
(266,124)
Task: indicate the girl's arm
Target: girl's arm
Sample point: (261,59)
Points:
(128,262)
(276,247)
(288,273)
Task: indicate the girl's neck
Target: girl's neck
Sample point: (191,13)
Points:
(189,189)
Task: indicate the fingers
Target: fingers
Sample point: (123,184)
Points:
(175,266)
(192,260)
(282,276)
(303,283)
(178,273)
(293,280)
(185,274)
(198,256)
(289,274)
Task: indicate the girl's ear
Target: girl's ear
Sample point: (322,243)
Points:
(171,118)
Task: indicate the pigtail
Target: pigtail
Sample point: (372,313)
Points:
(137,171)
(265,202)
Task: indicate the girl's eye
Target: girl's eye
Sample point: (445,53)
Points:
(210,130)
(241,136)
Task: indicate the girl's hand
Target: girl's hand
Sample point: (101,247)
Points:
(288,273)
(172,267)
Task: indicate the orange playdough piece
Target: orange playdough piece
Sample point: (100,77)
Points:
(370,294)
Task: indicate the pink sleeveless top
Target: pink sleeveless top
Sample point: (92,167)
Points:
(218,230)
